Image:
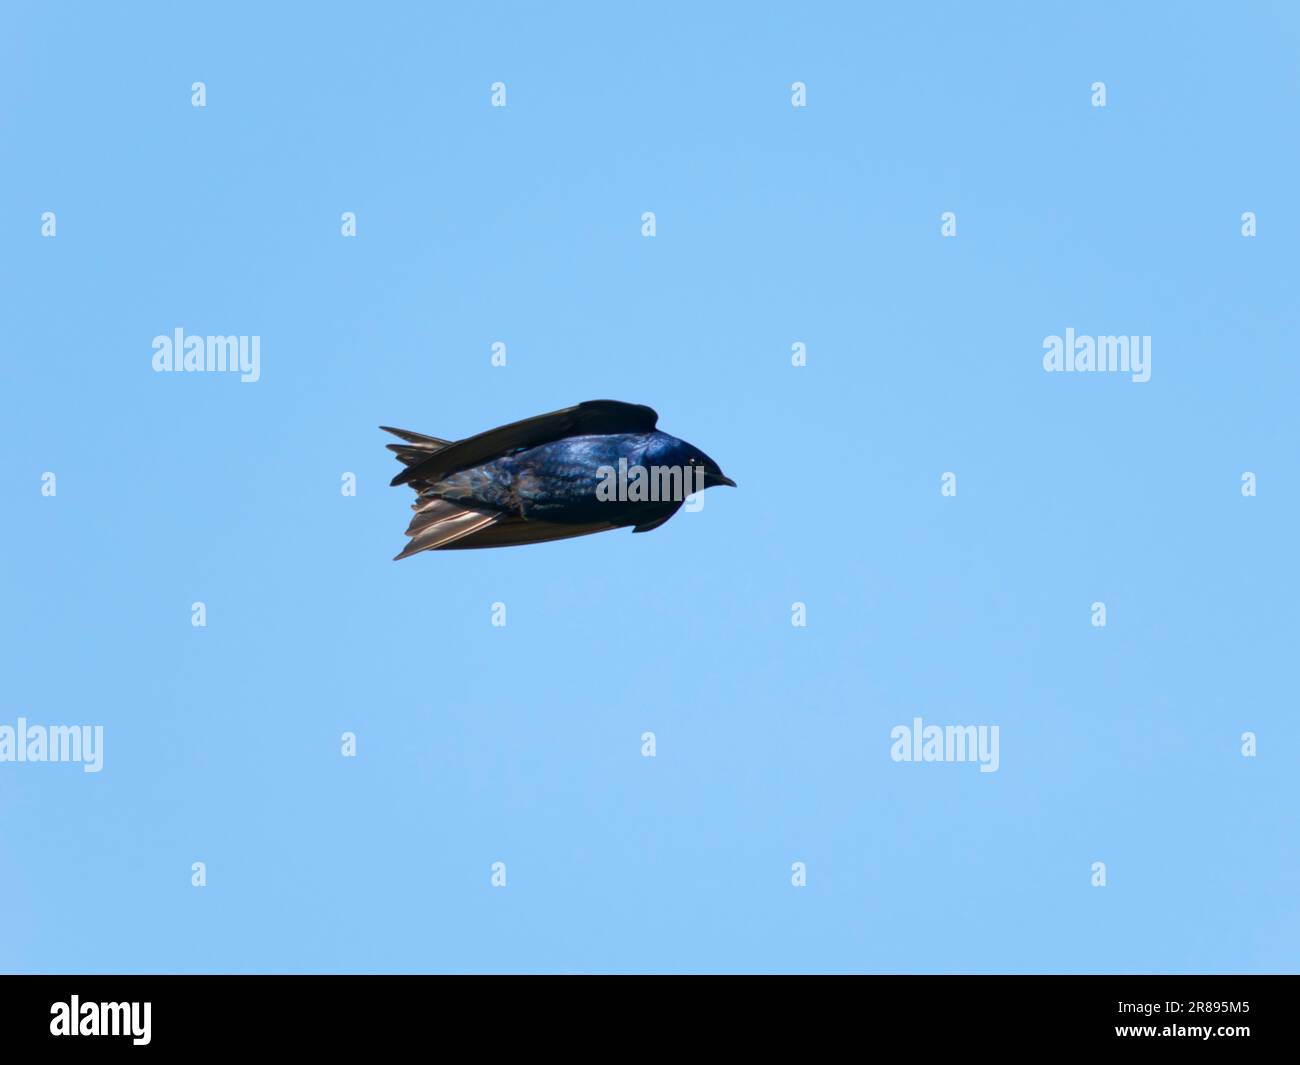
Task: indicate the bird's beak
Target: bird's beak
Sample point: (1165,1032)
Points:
(712,480)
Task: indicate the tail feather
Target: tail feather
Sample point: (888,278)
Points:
(416,438)
(417,448)
(437,522)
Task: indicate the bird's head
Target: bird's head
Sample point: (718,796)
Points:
(713,475)
(668,450)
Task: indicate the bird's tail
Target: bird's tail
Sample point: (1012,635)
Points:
(417,448)
(437,522)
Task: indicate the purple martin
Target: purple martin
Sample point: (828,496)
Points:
(600,465)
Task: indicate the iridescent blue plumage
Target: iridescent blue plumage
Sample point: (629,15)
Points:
(549,479)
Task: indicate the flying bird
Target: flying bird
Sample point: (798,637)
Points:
(600,465)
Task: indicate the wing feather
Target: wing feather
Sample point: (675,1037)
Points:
(448,529)
(513,530)
(595,417)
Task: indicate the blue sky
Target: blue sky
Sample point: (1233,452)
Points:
(521,744)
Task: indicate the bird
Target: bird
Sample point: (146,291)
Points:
(568,473)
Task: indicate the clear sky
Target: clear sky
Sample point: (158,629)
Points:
(775,225)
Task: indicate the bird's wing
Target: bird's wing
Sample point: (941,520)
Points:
(512,530)
(654,523)
(441,525)
(594,417)
(442,522)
